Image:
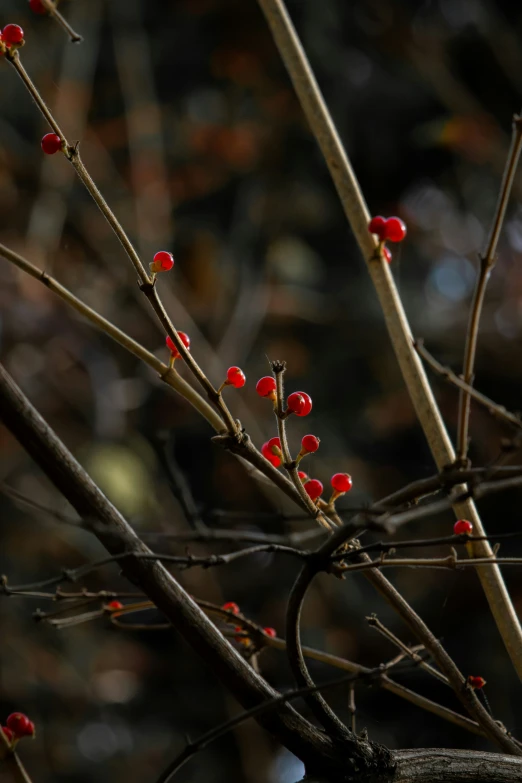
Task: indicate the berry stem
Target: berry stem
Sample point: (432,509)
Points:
(64,24)
(289,464)
(170,377)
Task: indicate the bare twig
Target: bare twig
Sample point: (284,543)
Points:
(356,211)
(487,262)
(194,747)
(147,282)
(374,622)
(499,411)
(167,374)
(64,24)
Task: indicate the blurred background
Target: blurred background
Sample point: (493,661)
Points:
(189,126)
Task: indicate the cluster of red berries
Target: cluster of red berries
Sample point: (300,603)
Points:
(391,229)
(17,726)
(340,482)
(299,403)
(476,683)
(11,35)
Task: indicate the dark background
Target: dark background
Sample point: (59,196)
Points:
(189,126)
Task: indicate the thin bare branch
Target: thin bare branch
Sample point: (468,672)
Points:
(487,262)
(499,411)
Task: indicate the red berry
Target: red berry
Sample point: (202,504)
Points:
(185,339)
(236,377)
(313,488)
(462,527)
(37,7)
(394,230)
(13,34)
(377,226)
(8,733)
(341,482)
(270,632)
(310,443)
(476,682)
(302,475)
(299,403)
(387,255)
(266,451)
(114,605)
(266,386)
(230,606)
(163,261)
(51,143)
(20,725)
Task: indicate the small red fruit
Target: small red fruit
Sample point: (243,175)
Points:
(267,452)
(230,606)
(270,632)
(8,733)
(309,444)
(37,7)
(13,34)
(51,143)
(387,255)
(341,482)
(376,226)
(266,387)
(299,403)
(476,682)
(185,339)
(114,605)
(303,476)
(394,230)
(236,377)
(20,725)
(313,488)
(163,261)
(462,527)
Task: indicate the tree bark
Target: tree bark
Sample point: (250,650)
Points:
(434,765)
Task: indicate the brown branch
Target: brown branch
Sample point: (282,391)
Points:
(487,262)
(356,211)
(499,411)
